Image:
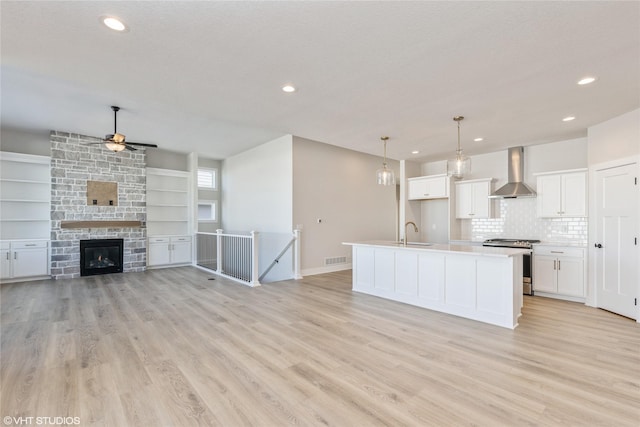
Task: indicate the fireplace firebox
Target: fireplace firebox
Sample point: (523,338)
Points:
(101,256)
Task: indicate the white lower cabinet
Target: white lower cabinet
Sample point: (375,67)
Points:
(559,271)
(169,250)
(24,259)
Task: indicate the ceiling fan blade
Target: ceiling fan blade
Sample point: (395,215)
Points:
(142,144)
(127,147)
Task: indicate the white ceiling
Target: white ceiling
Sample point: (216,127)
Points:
(206,76)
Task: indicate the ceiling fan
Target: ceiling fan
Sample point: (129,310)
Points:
(116,141)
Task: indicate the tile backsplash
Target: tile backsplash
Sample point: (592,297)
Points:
(517,219)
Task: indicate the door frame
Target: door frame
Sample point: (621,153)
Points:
(592,296)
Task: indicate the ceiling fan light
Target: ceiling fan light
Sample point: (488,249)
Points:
(115,147)
(119,138)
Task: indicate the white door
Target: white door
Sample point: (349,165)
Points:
(616,270)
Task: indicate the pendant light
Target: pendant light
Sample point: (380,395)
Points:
(461,165)
(384,175)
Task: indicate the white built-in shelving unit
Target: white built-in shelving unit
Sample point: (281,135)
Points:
(169,215)
(25,196)
(25,215)
(168,202)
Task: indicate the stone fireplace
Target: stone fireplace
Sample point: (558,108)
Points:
(74,162)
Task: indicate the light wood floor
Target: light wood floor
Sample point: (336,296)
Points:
(171,348)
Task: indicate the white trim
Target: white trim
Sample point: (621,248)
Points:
(327,269)
(169,172)
(25,158)
(559,172)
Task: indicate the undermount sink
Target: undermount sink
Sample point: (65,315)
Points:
(414,244)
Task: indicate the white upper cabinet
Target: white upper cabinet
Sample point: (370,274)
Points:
(472,199)
(562,194)
(428,187)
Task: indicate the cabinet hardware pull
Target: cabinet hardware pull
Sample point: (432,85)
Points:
(558,264)
(15,255)
(554,264)
(426,194)
(30,244)
(8,256)
(557,252)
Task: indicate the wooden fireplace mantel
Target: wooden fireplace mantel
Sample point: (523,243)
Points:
(101,224)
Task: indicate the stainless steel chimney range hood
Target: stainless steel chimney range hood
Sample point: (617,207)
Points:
(515,187)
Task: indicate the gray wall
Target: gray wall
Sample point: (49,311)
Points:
(20,141)
(165,159)
(615,139)
(257,188)
(339,187)
(208,195)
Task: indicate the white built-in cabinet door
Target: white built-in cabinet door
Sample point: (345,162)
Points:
(562,194)
(574,194)
(180,250)
(169,250)
(472,199)
(559,270)
(571,276)
(30,262)
(24,258)
(5,262)
(428,187)
(545,274)
(159,253)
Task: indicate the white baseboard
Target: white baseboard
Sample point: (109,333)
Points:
(327,269)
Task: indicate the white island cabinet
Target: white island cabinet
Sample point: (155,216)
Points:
(475,282)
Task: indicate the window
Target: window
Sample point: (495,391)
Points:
(207,178)
(207,211)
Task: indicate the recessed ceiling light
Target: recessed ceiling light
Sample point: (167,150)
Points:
(113,23)
(478,139)
(586,80)
(288,88)
(415,152)
(568,119)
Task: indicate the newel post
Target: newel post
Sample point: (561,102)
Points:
(255,281)
(296,255)
(219,250)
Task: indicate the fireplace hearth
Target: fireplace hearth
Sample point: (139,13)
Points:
(101,256)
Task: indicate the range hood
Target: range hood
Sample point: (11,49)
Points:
(515,187)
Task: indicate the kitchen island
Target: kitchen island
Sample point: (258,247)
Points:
(475,282)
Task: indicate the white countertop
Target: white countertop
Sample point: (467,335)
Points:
(445,247)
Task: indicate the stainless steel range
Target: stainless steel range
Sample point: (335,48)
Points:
(527,270)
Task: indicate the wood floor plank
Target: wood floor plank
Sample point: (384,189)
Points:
(170,347)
